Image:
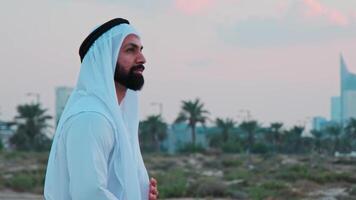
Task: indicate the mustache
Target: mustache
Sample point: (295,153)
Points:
(138,67)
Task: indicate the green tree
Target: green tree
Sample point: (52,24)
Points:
(351,126)
(249,127)
(350,131)
(1,145)
(317,139)
(293,139)
(153,130)
(192,112)
(334,131)
(275,135)
(32,122)
(226,126)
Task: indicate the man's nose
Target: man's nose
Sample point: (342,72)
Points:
(141,58)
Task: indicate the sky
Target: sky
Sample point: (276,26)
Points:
(275,59)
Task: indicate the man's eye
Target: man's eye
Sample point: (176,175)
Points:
(130,50)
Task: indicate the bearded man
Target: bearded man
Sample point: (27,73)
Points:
(95,153)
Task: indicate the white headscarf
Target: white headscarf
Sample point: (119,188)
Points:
(95,91)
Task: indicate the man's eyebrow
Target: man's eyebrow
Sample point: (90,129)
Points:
(134,45)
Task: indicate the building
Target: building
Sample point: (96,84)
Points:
(343,107)
(335,109)
(348,92)
(319,123)
(7,129)
(62,95)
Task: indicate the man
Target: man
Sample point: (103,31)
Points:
(95,153)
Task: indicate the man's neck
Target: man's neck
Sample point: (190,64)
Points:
(120,92)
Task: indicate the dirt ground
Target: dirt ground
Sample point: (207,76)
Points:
(10,195)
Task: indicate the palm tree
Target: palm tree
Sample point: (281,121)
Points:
(32,122)
(226,126)
(275,131)
(153,130)
(193,112)
(317,137)
(297,132)
(350,128)
(292,139)
(334,131)
(250,127)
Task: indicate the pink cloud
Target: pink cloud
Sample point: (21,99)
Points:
(316,9)
(194,6)
(338,18)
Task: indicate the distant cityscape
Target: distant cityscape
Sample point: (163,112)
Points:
(342,108)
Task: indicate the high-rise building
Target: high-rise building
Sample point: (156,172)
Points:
(349,105)
(348,93)
(335,109)
(62,95)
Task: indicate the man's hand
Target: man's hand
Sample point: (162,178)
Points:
(153,195)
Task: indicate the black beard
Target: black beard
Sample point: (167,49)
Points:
(130,80)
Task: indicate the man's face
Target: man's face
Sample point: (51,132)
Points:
(129,66)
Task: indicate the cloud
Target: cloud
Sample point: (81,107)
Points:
(194,6)
(314,9)
(305,21)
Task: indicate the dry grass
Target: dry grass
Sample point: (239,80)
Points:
(211,176)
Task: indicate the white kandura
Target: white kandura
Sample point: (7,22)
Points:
(95,152)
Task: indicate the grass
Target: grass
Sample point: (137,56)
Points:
(268,190)
(228,162)
(208,187)
(269,178)
(26,181)
(318,175)
(172,183)
(237,173)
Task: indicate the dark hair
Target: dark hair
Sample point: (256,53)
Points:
(90,39)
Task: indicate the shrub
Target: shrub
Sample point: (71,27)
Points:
(1,145)
(294,173)
(326,177)
(234,174)
(232,147)
(260,193)
(209,187)
(231,162)
(15,155)
(191,148)
(318,175)
(172,183)
(212,164)
(267,190)
(260,148)
(274,185)
(22,182)
(352,191)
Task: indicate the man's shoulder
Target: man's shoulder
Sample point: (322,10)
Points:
(90,121)
(91,130)
(91,118)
